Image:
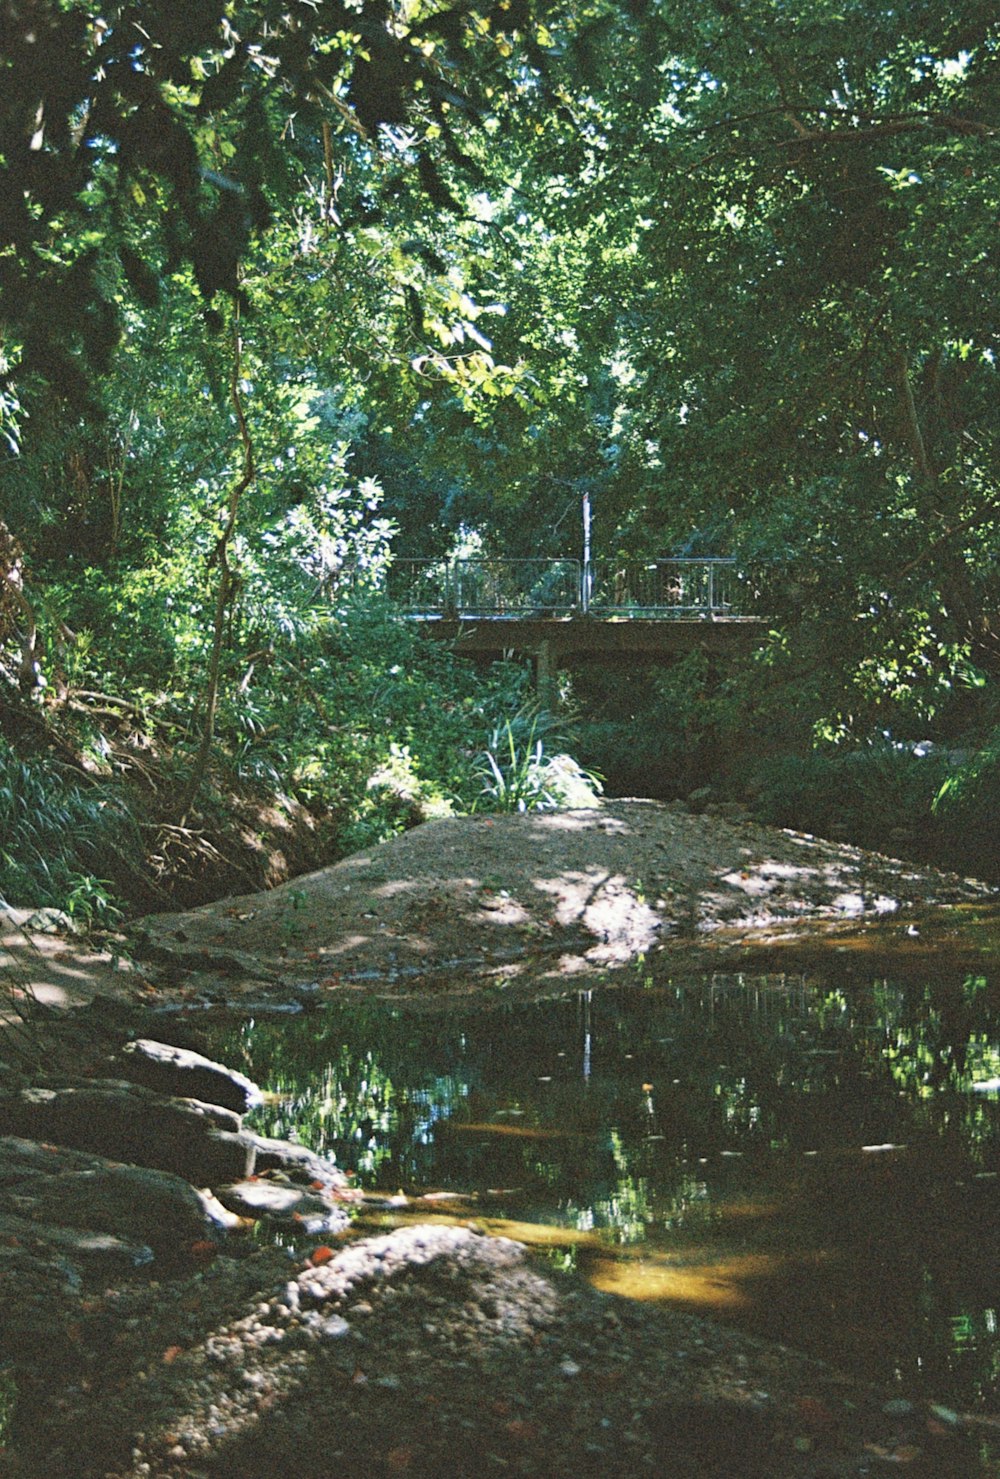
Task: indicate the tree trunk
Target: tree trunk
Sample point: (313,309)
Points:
(220,557)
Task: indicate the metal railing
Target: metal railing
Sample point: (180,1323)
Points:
(681,588)
(485,587)
(665,588)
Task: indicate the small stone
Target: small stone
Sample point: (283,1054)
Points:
(898,1407)
(569,1368)
(333,1327)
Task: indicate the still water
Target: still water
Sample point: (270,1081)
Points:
(814,1160)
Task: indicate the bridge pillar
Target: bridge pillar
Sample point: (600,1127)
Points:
(547,675)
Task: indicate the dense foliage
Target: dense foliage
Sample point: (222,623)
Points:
(290,292)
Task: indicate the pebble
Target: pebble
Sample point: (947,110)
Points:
(569,1368)
(898,1407)
(334,1326)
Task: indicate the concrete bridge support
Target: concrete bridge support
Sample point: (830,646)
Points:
(547,676)
(558,641)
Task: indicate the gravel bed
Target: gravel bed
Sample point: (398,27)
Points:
(436,1351)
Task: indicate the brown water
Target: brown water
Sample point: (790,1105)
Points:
(812,1158)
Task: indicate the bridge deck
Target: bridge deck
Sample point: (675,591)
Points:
(596,636)
(556,610)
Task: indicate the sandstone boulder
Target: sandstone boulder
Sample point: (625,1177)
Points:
(189,1075)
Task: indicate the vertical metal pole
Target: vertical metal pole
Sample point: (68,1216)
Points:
(586,580)
(711,586)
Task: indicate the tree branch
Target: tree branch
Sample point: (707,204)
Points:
(915,435)
(988,509)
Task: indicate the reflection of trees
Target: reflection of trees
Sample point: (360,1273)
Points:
(686,1115)
(672,1075)
(945,1035)
(350,1084)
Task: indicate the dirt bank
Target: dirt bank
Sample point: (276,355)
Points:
(541,900)
(523,904)
(436,1352)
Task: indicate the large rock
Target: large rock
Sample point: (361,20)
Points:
(180,1071)
(22,1159)
(297,1162)
(126,1122)
(133,1202)
(71,1251)
(47,1186)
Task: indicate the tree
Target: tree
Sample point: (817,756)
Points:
(164,132)
(783,219)
(823,260)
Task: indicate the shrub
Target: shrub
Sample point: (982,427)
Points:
(60,840)
(867,793)
(516,773)
(967,810)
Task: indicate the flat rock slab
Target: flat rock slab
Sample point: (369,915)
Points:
(126,1122)
(297,1162)
(307,1211)
(71,1251)
(134,1202)
(21,1160)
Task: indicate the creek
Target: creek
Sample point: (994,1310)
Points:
(814,1157)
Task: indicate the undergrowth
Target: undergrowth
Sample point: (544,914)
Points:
(521,769)
(62,839)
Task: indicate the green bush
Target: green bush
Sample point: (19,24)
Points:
(865,793)
(61,841)
(517,773)
(357,714)
(967,810)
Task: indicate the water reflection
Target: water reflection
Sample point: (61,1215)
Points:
(808,1157)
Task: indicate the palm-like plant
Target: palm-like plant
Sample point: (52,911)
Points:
(518,773)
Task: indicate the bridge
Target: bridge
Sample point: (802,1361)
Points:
(607,610)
